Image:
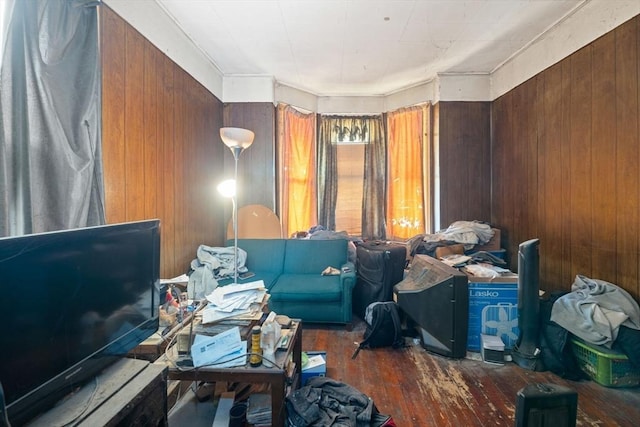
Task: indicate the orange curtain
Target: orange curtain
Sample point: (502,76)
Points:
(405,188)
(296,169)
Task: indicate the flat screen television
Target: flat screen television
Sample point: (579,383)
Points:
(436,297)
(74,301)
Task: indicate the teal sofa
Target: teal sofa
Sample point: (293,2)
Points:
(292,272)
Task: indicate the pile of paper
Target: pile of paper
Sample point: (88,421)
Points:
(455,260)
(233,300)
(487,270)
(222,351)
(259,409)
(182,279)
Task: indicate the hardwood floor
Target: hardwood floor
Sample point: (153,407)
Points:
(421,389)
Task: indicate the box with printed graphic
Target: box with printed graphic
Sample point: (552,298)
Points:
(493,310)
(316,369)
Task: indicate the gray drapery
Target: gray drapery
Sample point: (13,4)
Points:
(50,153)
(375,172)
(370,130)
(327,175)
(6,6)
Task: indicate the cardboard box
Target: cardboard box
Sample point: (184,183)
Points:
(317,371)
(491,245)
(444,251)
(493,310)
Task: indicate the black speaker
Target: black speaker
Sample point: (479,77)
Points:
(526,352)
(546,405)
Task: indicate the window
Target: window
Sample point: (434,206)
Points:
(371,182)
(350,188)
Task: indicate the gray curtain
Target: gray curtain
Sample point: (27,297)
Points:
(50,155)
(334,129)
(327,175)
(375,172)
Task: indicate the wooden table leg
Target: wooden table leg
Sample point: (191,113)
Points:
(278,391)
(297,355)
(277,401)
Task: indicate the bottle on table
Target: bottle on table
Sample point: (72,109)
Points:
(268,341)
(256,352)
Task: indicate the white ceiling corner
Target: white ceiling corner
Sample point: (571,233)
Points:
(396,50)
(362,47)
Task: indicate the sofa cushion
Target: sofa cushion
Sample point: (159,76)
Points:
(313,256)
(307,287)
(263,255)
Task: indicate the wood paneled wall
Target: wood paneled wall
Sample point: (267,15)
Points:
(162,152)
(462,153)
(565,164)
(560,164)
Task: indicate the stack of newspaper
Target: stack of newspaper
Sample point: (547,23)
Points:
(234,300)
(227,348)
(259,410)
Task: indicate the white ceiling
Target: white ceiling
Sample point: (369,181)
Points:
(363,47)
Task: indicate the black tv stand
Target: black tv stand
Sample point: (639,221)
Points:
(128,393)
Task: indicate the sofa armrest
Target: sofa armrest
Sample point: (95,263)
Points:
(347,270)
(348,281)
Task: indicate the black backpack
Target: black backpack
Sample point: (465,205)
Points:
(383,327)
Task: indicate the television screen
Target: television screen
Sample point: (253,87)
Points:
(74,302)
(436,297)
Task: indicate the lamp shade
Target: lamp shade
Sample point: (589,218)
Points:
(236,137)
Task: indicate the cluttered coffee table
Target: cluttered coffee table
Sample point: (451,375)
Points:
(282,372)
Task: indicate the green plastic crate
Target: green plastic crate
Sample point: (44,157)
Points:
(604,366)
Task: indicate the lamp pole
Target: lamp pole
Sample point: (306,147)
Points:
(237,139)
(234,200)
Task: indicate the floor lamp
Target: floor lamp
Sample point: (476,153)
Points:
(237,139)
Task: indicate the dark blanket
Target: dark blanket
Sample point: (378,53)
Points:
(628,342)
(326,402)
(556,351)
